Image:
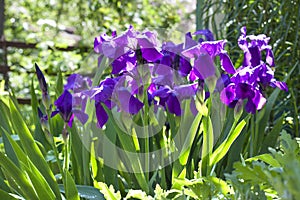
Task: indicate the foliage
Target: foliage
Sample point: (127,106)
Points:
(267,176)
(24,169)
(99,147)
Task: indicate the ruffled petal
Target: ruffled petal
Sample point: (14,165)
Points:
(81,116)
(204,66)
(281,85)
(228,94)
(101,115)
(174,105)
(64,105)
(244,90)
(207,33)
(151,54)
(184,66)
(227,63)
(128,102)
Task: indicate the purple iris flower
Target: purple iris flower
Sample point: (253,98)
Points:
(111,93)
(130,48)
(252,46)
(205,32)
(173,58)
(204,54)
(127,102)
(103,95)
(147,42)
(79,85)
(171,98)
(189,42)
(168,99)
(255,74)
(246,84)
(64,106)
(222,82)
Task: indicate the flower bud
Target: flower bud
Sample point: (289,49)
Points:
(44,87)
(45,126)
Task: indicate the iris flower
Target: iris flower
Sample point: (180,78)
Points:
(64,106)
(204,55)
(78,85)
(255,73)
(171,98)
(130,48)
(111,94)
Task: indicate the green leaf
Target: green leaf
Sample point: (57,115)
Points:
(70,190)
(38,181)
(137,194)
(99,72)
(190,136)
(6,196)
(128,146)
(80,158)
(8,148)
(109,193)
(110,174)
(5,116)
(222,150)
(3,184)
(41,186)
(86,192)
(207,147)
(19,177)
(256,174)
(89,192)
(31,149)
(220,184)
(271,138)
(189,140)
(267,158)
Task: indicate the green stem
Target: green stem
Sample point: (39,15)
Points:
(52,142)
(145,123)
(57,159)
(66,150)
(252,138)
(256,136)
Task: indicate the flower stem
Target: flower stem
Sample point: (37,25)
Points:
(66,148)
(57,159)
(146,133)
(50,138)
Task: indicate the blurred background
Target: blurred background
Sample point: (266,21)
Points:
(59,35)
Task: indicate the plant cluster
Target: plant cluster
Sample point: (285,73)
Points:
(155,122)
